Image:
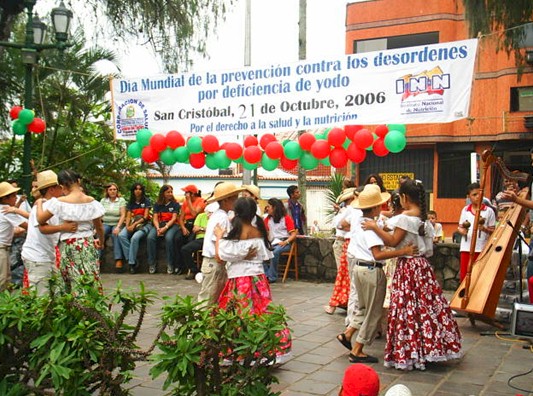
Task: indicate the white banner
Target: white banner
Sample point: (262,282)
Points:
(425,84)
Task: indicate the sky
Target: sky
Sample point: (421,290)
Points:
(274,37)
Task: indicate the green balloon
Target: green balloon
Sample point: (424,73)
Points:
(269,164)
(194,144)
(292,150)
(222,159)
(307,161)
(325,161)
(395,141)
(284,143)
(320,136)
(239,160)
(143,137)
(167,156)
(18,127)
(134,150)
(181,154)
(397,127)
(210,161)
(26,116)
(346,143)
(249,166)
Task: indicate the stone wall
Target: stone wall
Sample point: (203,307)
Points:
(316,261)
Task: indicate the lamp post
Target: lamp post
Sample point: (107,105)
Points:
(33,43)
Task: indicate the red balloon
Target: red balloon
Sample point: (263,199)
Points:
(250,140)
(233,151)
(336,137)
(320,149)
(210,143)
(338,157)
(197,160)
(355,154)
(350,130)
(274,150)
(158,142)
(379,148)
(37,125)
(306,140)
(381,130)
(252,154)
(14,112)
(174,139)
(287,163)
(266,139)
(149,154)
(363,138)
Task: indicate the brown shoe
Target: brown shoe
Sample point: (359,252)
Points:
(118,264)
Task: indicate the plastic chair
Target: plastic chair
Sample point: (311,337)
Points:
(292,258)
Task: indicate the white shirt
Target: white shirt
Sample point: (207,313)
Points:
(40,247)
(344,214)
(362,241)
(234,251)
(411,225)
(482,237)
(8,222)
(218,217)
(81,213)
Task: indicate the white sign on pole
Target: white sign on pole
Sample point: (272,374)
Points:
(425,84)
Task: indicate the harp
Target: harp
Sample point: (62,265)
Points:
(479,292)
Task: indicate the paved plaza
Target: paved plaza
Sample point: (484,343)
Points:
(319,360)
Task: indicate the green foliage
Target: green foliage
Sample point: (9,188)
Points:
(210,351)
(508,17)
(336,185)
(75,345)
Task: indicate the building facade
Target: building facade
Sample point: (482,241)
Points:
(501,114)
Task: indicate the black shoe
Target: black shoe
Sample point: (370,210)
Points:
(179,271)
(132,269)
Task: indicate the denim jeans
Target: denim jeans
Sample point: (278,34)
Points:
(117,250)
(272,270)
(130,242)
(151,244)
(187,252)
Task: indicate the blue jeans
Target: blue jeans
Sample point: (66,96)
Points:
(117,250)
(151,243)
(130,242)
(272,270)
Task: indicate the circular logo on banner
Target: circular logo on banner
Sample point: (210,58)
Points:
(132,115)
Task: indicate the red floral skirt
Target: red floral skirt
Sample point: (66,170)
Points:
(421,327)
(341,289)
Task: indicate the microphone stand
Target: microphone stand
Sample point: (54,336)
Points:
(522,240)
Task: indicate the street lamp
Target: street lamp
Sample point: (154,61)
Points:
(33,43)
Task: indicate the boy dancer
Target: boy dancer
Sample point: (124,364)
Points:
(365,252)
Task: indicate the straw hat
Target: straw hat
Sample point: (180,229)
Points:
(224,190)
(371,196)
(254,190)
(45,179)
(7,189)
(399,390)
(346,194)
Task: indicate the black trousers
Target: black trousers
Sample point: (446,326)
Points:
(187,252)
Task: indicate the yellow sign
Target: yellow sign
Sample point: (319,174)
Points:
(390,180)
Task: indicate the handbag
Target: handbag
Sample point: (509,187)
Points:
(140,225)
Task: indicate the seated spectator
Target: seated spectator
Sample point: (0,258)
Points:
(503,203)
(188,251)
(360,380)
(138,224)
(439,234)
(114,218)
(281,233)
(165,218)
(191,207)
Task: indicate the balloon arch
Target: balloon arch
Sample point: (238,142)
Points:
(332,147)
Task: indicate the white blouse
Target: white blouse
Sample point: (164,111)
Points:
(411,224)
(234,251)
(81,213)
